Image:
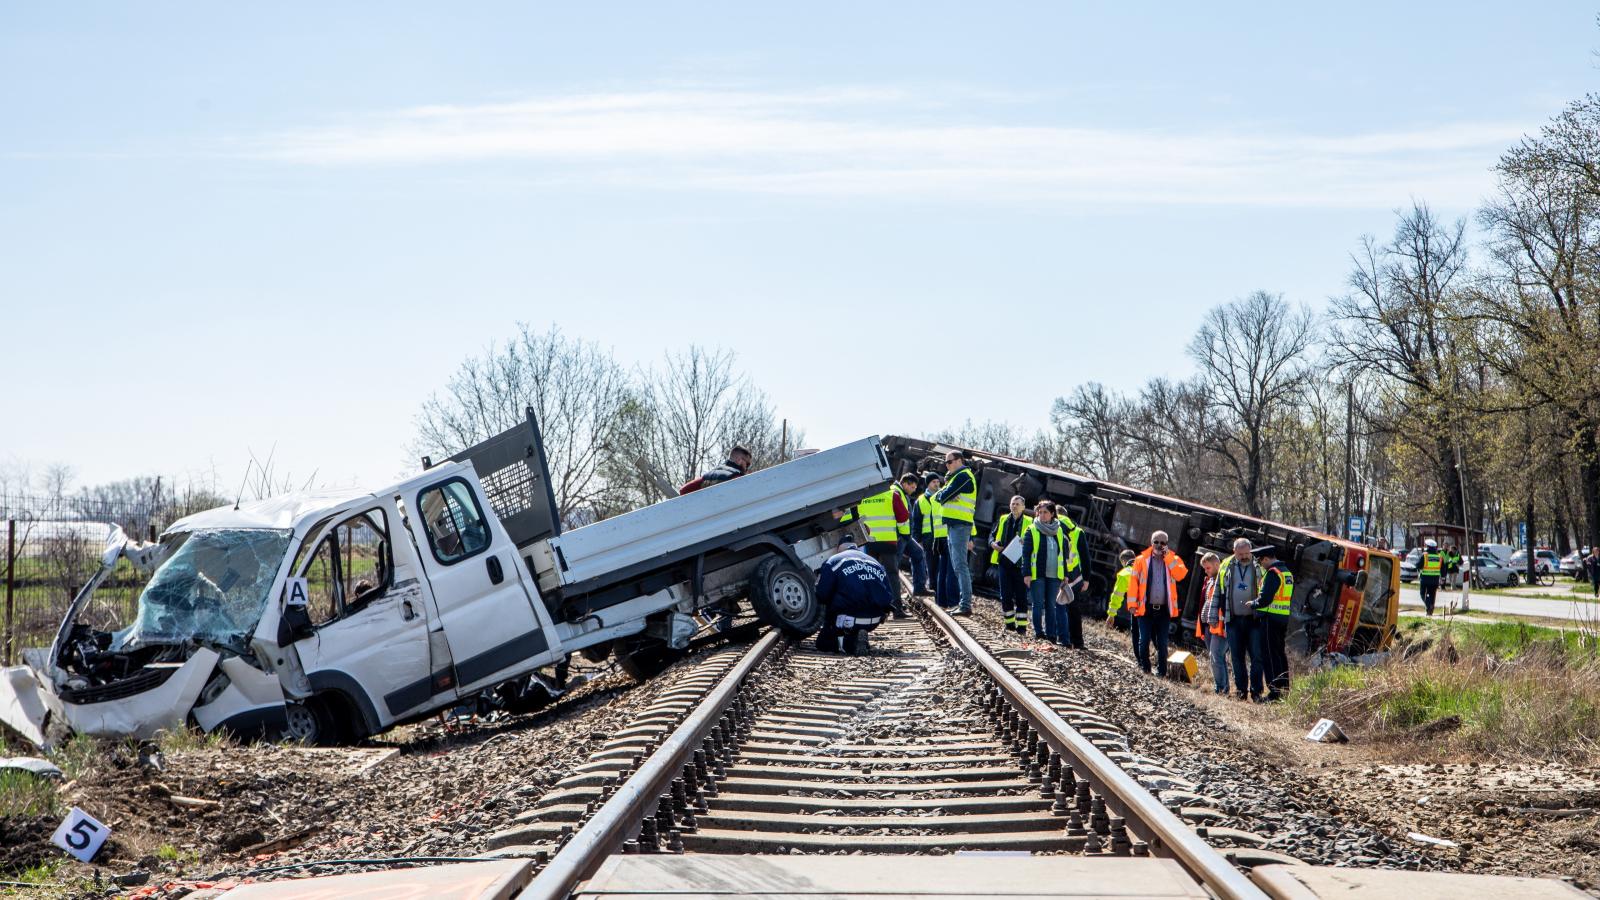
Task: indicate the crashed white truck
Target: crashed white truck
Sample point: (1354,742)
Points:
(327,617)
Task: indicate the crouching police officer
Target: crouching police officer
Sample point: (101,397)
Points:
(853,589)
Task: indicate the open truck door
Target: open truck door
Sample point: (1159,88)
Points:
(357,620)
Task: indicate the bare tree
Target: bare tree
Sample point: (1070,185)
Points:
(1091,432)
(578,391)
(689,410)
(1251,354)
(1000,438)
(1403,320)
(1543,299)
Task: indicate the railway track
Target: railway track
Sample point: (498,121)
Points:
(931,745)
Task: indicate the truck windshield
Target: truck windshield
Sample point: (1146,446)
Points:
(212,587)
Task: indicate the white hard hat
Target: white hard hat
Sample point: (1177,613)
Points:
(1430,543)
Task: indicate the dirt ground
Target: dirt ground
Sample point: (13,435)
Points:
(193,816)
(1379,802)
(1507,817)
(198,815)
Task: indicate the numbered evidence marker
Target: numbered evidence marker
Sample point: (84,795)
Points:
(1326,732)
(81,835)
(297,593)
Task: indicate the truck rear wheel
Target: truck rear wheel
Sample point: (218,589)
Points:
(783,596)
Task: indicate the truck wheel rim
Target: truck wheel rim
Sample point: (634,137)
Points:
(792,598)
(301,724)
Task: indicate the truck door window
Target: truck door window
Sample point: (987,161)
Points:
(322,583)
(453,521)
(364,556)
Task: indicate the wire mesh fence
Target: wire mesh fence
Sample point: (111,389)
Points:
(53,546)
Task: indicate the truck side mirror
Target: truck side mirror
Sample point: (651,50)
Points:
(294,624)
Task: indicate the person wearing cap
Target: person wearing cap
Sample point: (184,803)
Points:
(1429,569)
(1237,588)
(1152,593)
(853,589)
(1274,605)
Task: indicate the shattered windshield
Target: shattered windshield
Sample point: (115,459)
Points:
(213,586)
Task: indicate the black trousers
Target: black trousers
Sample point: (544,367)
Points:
(833,639)
(1277,652)
(1429,586)
(1013,593)
(1153,628)
(888,554)
(1074,634)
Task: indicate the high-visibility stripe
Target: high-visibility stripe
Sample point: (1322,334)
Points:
(877,514)
(963,506)
(902,528)
(1281,600)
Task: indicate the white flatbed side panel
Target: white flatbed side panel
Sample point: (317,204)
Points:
(720,510)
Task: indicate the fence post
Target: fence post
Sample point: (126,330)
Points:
(11,580)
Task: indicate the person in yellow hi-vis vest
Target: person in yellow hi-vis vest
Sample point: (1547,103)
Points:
(1429,569)
(1119,591)
(959,497)
(1277,593)
(1013,592)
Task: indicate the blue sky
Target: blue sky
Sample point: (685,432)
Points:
(225,228)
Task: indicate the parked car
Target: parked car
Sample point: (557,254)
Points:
(1501,552)
(1408,566)
(1545,562)
(1488,572)
(1572,564)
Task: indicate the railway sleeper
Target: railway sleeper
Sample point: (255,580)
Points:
(718,840)
(810,774)
(968,824)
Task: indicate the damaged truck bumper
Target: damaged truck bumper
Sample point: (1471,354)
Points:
(31,705)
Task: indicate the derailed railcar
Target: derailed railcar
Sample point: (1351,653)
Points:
(1346,596)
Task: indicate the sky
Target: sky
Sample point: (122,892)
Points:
(247,229)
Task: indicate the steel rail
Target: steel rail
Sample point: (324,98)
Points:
(613,823)
(1165,832)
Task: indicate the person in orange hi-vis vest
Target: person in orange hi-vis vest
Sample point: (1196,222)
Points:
(1152,594)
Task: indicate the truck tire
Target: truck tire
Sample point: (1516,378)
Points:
(644,658)
(783,596)
(310,723)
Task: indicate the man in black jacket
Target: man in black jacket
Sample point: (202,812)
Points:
(737,463)
(853,589)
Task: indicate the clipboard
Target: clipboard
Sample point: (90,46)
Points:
(1013,550)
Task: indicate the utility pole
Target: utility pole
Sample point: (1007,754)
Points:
(1349,446)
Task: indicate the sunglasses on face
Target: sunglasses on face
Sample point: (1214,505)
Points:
(1158,543)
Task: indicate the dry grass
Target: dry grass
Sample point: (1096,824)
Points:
(1510,692)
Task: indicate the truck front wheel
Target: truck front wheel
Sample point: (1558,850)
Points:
(783,596)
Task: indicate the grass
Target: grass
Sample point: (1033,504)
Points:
(1502,689)
(44,879)
(186,738)
(25,794)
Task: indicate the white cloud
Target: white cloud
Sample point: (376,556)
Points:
(887,141)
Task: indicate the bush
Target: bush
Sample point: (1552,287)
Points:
(1486,690)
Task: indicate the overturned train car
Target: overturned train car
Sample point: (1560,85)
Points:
(1346,595)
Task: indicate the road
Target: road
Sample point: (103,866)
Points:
(1492,603)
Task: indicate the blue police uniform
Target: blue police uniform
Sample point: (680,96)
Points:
(853,589)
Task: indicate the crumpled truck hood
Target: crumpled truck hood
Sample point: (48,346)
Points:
(29,702)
